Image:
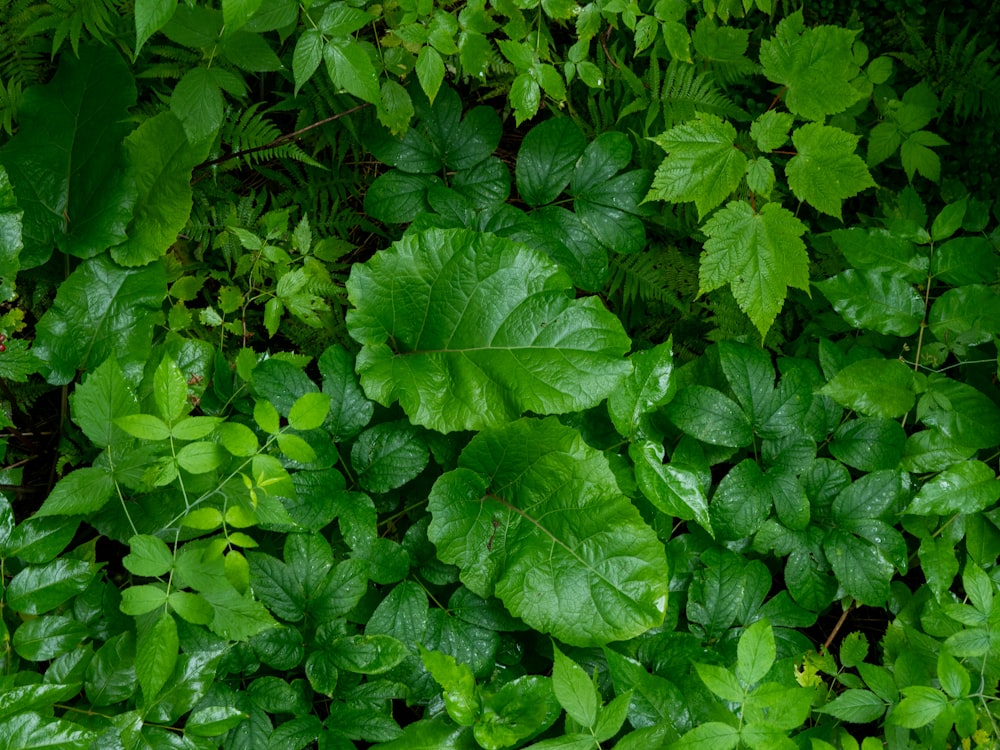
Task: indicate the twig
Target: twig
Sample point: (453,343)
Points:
(838,626)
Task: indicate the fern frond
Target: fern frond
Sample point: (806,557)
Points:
(661,275)
(685,94)
(67,19)
(255,139)
(10,101)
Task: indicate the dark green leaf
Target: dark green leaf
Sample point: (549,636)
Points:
(389,455)
(967,487)
(966,260)
(869,443)
(48,636)
(99,311)
(716,591)
(874,300)
(710,416)
(367,654)
(520,342)
(547,159)
(673,488)
(742,502)
(350,411)
(397,197)
(970,314)
(156,652)
(277,586)
(518,710)
(874,387)
(860,567)
(648,387)
(960,412)
(32,731)
(85,490)
(41,588)
(66,162)
(883,251)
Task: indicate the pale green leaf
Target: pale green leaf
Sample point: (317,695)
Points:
(702,165)
(815,64)
(574,689)
(770,129)
(430,71)
(309,411)
(711,735)
(856,706)
(534,516)
(486,330)
(170,390)
(755,652)
(197,102)
(201,457)
(759,255)
(459,685)
(148,556)
(138,600)
(722,682)
(236,13)
(350,68)
(144,426)
(826,170)
(100,400)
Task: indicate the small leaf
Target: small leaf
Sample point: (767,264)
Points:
(826,170)
(647,388)
(138,600)
(156,655)
(309,411)
(755,652)
(712,735)
(430,71)
(459,685)
(574,689)
(148,556)
(307,56)
(770,129)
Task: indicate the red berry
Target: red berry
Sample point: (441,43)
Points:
(2,348)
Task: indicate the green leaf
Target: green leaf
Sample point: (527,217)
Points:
(395,108)
(350,411)
(11,244)
(919,707)
(525,96)
(954,678)
(459,685)
(759,254)
(860,567)
(547,160)
(389,455)
(32,731)
(99,311)
(102,398)
(673,488)
(309,411)
(150,17)
(520,343)
(702,165)
(711,735)
(66,161)
(722,682)
(516,711)
(742,502)
(816,65)
(710,416)
(197,103)
(968,314)
(877,249)
(398,198)
(874,387)
(236,13)
(967,487)
(138,600)
(535,516)
(826,170)
(160,162)
(647,388)
(144,426)
(574,689)
(266,417)
(170,390)
(869,443)
(350,68)
(366,654)
(41,588)
(213,721)
(917,156)
(755,652)
(770,129)
(156,655)
(85,490)
(203,457)
(874,300)
(47,637)
(430,71)
(148,556)
(962,413)
(307,56)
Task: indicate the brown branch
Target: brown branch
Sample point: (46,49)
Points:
(280,139)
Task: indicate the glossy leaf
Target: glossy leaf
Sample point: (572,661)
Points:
(39,589)
(875,387)
(967,487)
(648,387)
(85,490)
(873,300)
(710,416)
(156,655)
(66,162)
(389,455)
(350,68)
(535,516)
(547,160)
(350,411)
(459,686)
(673,488)
(881,250)
(960,411)
(32,731)
(487,316)
(99,311)
(869,443)
(574,689)
(47,637)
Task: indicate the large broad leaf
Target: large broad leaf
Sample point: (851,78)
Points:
(816,65)
(874,300)
(10,237)
(66,162)
(534,516)
(826,170)
(469,330)
(160,163)
(759,255)
(702,165)
(101,310)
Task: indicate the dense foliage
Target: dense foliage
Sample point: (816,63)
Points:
(548,374)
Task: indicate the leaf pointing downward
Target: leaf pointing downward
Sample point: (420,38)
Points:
(469,330)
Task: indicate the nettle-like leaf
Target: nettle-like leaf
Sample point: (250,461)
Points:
(469,330)
(534,516)
(759,255)
(702,165)
(826,170)
(816,65)
(66,162)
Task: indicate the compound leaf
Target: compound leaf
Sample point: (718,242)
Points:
(469,330)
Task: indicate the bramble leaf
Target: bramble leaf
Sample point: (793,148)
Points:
(534,516)
(468,330)
(815,64)
(759,255)
(826,170)
(702,165)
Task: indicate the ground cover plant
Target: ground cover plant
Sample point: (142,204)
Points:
(498,375)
